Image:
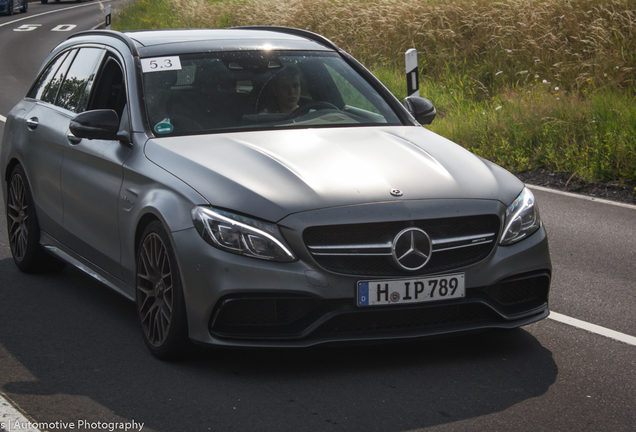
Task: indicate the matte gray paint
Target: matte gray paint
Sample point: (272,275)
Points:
(45,157)
(275,173)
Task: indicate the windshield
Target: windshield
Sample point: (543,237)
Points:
(256,90)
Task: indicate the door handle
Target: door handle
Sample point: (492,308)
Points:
(32,123)
(73,139)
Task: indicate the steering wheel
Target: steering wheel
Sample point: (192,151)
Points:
(318,105)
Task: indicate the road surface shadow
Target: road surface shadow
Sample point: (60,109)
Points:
(78,338)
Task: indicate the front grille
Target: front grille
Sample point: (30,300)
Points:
(365,249)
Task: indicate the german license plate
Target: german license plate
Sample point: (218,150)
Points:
(407,291)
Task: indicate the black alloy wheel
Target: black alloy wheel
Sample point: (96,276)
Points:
(23,227)
(18,210)
(160,302)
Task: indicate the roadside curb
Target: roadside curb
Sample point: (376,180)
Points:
(10,414)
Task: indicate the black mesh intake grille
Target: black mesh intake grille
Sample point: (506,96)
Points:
(256,315)
(446,254)
(519,294)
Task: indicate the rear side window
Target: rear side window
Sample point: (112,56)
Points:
(50,92)
(67,81)
(73,94)
(47,77)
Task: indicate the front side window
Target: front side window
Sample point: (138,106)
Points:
(109,90)
(258,90)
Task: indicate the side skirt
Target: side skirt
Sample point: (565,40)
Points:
(55,248)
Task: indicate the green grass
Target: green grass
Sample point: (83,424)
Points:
(592,135)
(526,83)
(146,15)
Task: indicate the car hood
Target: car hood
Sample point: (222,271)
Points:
(273,174)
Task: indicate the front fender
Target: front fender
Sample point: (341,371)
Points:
(150,193)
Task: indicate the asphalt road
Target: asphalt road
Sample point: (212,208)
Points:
(71,350)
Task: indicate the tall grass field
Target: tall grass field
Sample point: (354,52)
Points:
(525,83)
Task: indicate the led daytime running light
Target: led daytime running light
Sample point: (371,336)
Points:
(216,225)
(522,218)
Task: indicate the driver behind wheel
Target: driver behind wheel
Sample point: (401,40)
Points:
(285,91)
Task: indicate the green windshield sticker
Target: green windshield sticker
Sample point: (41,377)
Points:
(164,126)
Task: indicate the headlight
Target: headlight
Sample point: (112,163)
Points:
(522,218)
(241,235)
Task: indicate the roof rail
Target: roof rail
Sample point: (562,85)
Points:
(296,32)
(118,35)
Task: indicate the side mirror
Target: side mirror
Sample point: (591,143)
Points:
(102,124)
(421,108)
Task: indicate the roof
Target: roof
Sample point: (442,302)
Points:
(150,43)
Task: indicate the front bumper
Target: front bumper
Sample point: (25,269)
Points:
(240,301)
(306,320)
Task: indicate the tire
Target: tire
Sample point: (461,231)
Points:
(44,1)
(10,8)
(25,6)
(23,228)
(159,295)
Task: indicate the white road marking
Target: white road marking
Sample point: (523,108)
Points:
(53,11)
(584,197)
(9,416)
(3,119)
(622,337)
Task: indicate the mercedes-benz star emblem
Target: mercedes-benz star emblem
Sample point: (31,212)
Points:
(411,249)
(396,192)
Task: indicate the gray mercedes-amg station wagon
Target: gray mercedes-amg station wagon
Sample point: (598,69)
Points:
(259,187)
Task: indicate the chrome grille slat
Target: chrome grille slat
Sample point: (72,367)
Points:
(340,249)
(456,242)
(362,246)
(461,246)
(462,239)
(351,254)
